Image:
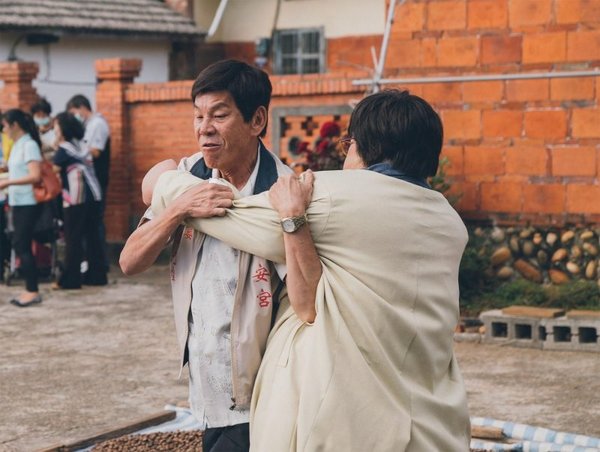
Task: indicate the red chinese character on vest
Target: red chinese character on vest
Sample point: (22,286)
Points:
(264,298)
(261,274)
(188,233)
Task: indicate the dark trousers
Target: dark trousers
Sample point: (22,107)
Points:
(24,220)
(235,438)
(4,243)
(81,228)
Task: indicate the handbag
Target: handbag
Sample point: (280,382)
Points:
(49,186)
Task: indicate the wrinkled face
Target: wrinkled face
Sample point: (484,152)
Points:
(225,139)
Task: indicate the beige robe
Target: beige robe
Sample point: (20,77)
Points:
(376,371)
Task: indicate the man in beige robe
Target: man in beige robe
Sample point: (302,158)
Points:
(375,370)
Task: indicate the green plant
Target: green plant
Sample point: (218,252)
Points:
(440,183)
(575,295)
(473,277)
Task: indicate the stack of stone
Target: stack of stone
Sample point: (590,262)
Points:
(539,255)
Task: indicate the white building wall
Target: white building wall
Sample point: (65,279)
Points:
(247,20)
(68,66)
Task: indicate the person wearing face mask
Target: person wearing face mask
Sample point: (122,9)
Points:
(97,142)
(23,171)
(81,205)
(41,112)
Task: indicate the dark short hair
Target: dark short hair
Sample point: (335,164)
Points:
(24,121)
(399,128)
(70,126)
(41,105)
(78,101)
(249,87)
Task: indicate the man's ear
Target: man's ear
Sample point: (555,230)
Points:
(259,120)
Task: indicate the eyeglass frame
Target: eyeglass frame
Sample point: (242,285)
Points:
(345,143)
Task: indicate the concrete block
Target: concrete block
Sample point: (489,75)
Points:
(518,331)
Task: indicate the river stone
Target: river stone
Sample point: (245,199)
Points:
(528,248)
(526,233)
(537,238)
(567,237)
(478,232)
(558,277)
(586,235)
(551,238)
(498,235)
(559,255)
(500,256)
(504,273)
(575,252)
(590,270)
(514,244)
(573,268)
(542,257)
(528,271)
(590,248)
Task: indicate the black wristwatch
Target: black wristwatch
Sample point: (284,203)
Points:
(292,224)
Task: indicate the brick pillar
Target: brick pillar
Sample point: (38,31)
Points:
(114,76)
(18,91)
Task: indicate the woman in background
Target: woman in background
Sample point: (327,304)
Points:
(23,171)
(81,204)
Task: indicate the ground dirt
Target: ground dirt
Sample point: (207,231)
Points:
(87,361)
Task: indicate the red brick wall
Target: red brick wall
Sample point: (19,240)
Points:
(520,151)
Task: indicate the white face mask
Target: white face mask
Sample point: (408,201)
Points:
(80,118)
(42,122)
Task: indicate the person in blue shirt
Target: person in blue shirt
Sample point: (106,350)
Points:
(24,170)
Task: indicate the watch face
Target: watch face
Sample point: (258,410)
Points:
(288,225)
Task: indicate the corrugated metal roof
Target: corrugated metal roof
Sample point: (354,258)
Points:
(113,17)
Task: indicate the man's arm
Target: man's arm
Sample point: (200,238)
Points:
(146,243)
(290,197)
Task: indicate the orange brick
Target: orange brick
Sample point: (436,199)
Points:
(446,15)
(481,160)
(453,52)
(501,49)
(583,45)
(547,124)
(573,161)
(440,93)
(527,90)
(455,157)
(429,52)
(546,198)
(409,17)
(502,123)
(568,11)
(580,88)
(461,124)
(469,196)
(590,11)
(545,47)
(483,91)
(585,123)
(501,196)
(487,14)
(524,160)
(583,198)
(404,53)
(529,12)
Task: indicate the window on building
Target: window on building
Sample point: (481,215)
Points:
(299,51)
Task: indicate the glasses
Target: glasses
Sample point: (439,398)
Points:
(345,143)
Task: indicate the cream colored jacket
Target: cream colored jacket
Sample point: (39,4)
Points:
(376,371)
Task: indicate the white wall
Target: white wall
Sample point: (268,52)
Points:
(68,66)
(247,20)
